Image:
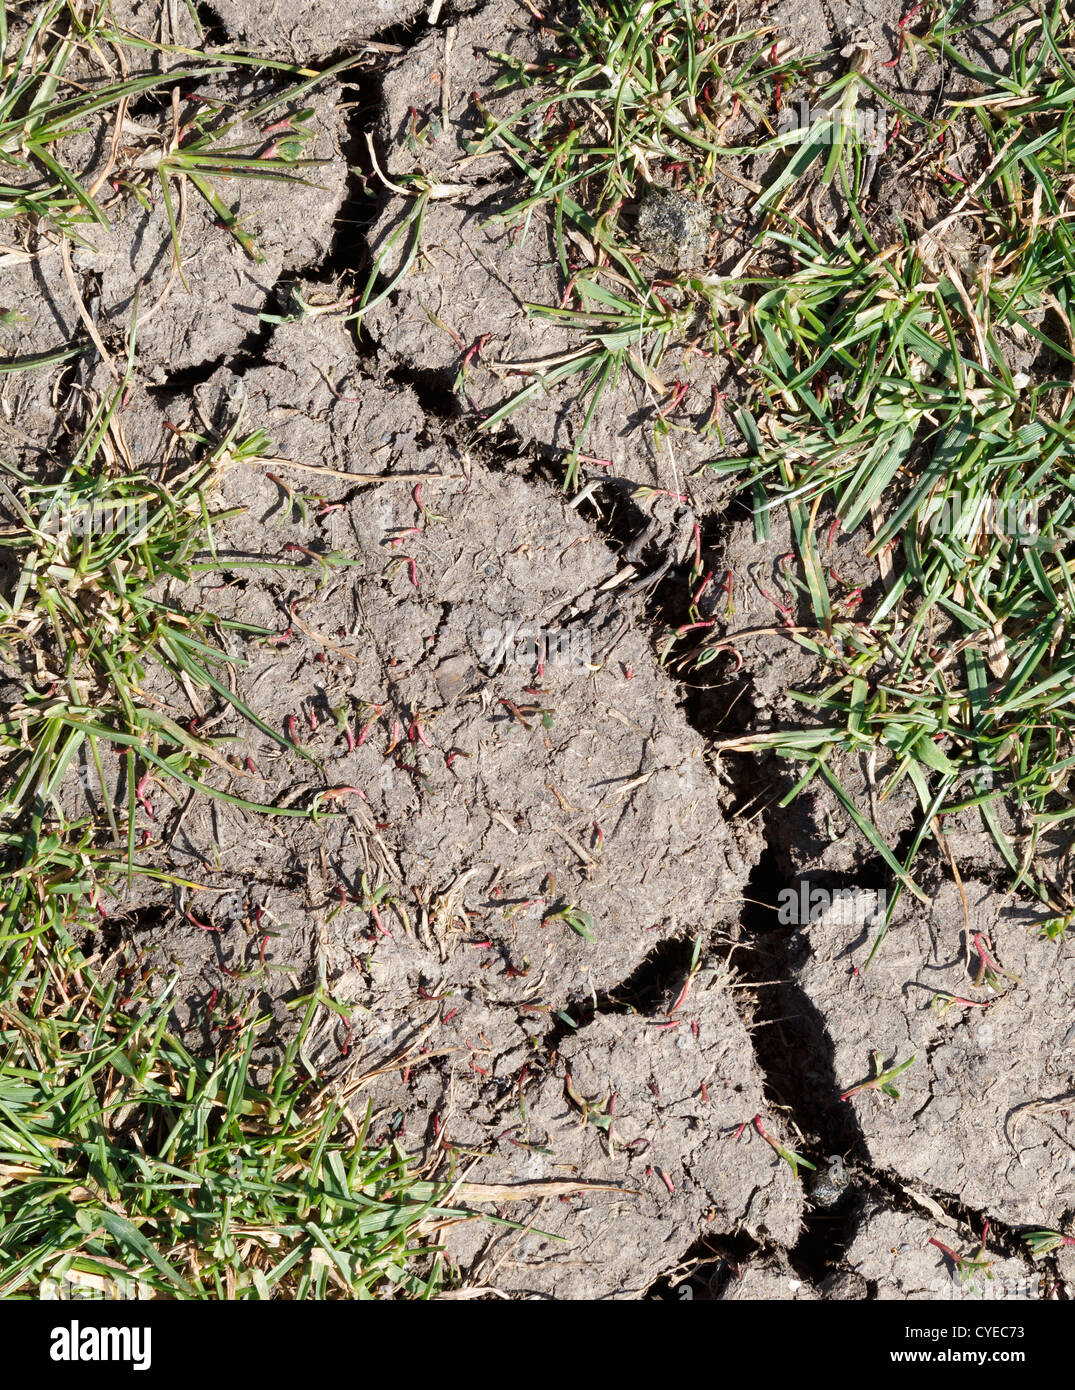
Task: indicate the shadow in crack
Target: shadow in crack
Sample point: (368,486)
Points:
(796,1056)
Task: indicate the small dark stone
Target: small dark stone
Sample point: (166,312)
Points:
(830,1183)
(673,228)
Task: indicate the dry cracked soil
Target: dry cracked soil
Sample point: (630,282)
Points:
(575,972)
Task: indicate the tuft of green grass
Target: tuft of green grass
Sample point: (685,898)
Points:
(582,923)
(127,1163)
(633,90)
(57,87)
(791,1157)
(83,612)
(1045,1242)
(966,1267)
(882,1080)
(642,95)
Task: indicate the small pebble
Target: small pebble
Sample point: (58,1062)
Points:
(674,228)
(831,1182)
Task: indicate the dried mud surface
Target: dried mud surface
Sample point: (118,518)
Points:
(977,1117)
(494,793)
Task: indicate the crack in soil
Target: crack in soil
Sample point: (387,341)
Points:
(788,1035)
